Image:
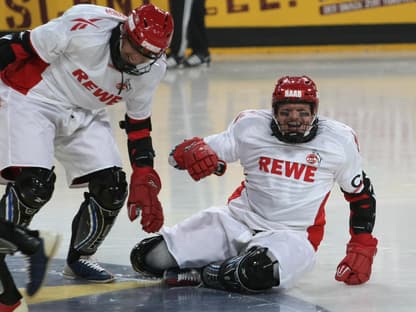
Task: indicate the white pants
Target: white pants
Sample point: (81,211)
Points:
(214,235)
(34,133)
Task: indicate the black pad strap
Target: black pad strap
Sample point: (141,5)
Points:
(6,50)
(129,126)
(141,152)
(23,38)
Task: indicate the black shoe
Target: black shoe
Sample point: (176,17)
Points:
(197,60)
(85,268)
(39,261)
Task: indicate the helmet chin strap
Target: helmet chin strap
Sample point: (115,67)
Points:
(295,137)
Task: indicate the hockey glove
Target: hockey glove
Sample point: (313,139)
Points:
(145,185)
(198,158)
(355,268)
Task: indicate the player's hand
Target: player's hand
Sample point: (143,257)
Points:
(145,185)
(355,268)
(198,158)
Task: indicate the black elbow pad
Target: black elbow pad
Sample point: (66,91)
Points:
(9,47)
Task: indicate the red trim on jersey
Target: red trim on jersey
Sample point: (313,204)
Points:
(137,135)
(354,198)
(316,231)
(237,192)
(23,74)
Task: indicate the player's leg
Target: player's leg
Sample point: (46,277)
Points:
(27,133)
(293,251)
(180,247)
(90,156)
(32,189)
(271,259)
(38,246)
(180,10)
(11,239)
(198,40)
(96,216)
(255,270)
(17,238)
(151,257)
(10,297)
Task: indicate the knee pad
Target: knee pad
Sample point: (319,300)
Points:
(254,271)
(109,188)
(32,189)
(139,253)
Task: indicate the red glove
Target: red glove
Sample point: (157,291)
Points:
(355,268)
(145,185)
(198,158)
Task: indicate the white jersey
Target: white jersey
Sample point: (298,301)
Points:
(79,72)
(287,185)
(67,89)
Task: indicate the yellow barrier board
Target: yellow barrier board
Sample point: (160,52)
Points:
(287,13)
(27,14)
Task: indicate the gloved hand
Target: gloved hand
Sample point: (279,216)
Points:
(145,185)
(355,268)
(198,158)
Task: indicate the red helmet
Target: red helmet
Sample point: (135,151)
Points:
(296,89)
(149,29)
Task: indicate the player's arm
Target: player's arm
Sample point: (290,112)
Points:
(198,158)
(355,268)
(145,183)
(203,157)
(14,47)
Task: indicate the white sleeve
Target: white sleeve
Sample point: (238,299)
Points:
(85,22)
(349,176)
(225,144)
(51,39)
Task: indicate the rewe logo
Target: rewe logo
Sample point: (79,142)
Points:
(101,95)
(293,93)
(82,23)
(289,169)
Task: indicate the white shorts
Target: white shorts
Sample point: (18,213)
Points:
(214,235)
(34,133)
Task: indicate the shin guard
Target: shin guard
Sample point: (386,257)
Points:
(90,226)
(13,209)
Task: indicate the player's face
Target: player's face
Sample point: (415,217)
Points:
(294,117)
(131,55)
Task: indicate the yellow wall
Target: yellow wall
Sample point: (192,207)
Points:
(26,14)
(270,13)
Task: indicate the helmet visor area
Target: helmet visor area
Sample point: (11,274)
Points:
(142,50)
(294,118)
